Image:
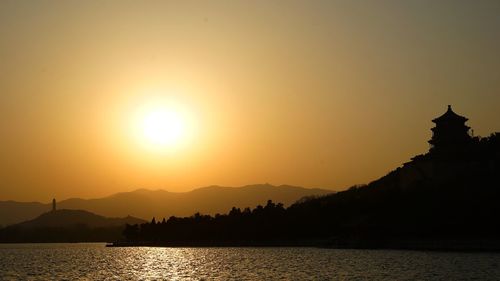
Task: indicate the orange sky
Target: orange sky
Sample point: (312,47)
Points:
(312,93)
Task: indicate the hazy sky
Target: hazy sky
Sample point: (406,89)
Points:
(312,93)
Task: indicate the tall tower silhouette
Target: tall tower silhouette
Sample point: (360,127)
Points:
(54,205)
(450,133)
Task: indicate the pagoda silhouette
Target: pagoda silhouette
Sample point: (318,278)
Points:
(450,135)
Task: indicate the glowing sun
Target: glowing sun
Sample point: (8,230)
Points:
(162,126)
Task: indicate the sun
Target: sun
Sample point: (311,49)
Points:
(162,126)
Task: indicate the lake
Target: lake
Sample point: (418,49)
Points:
(96,262)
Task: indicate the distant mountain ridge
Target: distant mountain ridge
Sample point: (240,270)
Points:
(69,218)
(66,226)
(144,203)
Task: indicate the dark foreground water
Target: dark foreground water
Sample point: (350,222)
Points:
(96,262)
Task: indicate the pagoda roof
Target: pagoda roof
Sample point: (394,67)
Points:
(449,115)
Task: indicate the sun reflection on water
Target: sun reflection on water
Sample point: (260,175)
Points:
(95,262)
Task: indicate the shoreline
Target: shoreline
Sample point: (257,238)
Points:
(430,245)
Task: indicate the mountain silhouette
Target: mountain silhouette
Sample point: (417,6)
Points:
(146,204)
(69,218)
(67,226)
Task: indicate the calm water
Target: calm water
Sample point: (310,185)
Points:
(95,262)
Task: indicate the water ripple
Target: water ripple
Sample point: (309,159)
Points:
(95,262)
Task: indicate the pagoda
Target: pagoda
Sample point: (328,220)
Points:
(450,134)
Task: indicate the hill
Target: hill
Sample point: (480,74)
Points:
(436,201)
(67,226)
(447,198)
(70,218)
(146,204)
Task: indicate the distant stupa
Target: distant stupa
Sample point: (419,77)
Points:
(54,205)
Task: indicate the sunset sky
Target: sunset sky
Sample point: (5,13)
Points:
(311,93)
